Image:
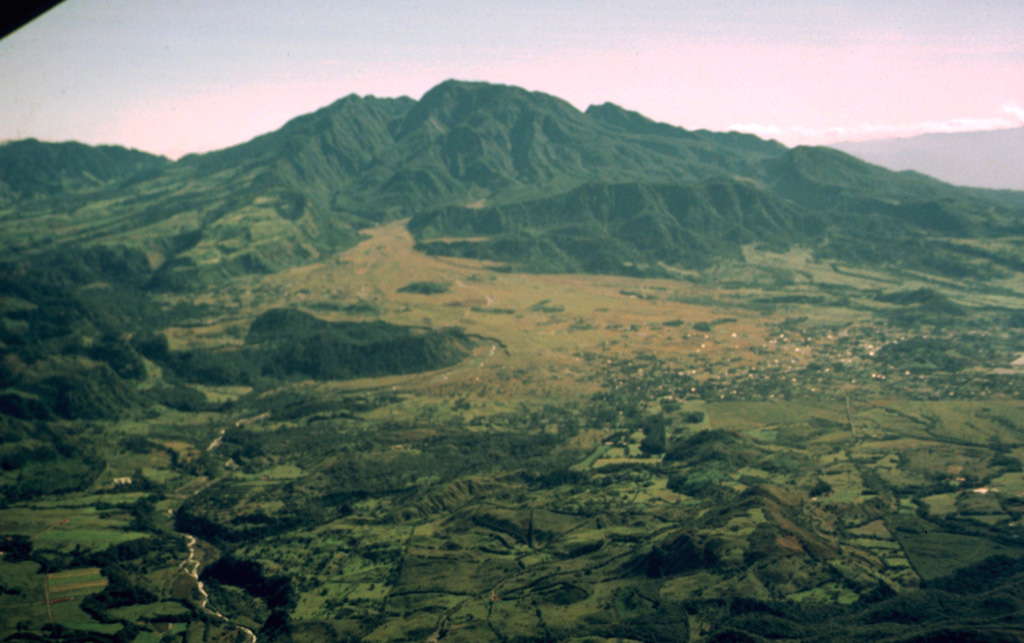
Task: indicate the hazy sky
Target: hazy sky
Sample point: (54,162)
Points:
(181,76)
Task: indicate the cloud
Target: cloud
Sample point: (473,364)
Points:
(764,131)
(1016,110)
(800,135)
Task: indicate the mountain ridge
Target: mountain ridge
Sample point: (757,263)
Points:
(30,168)
(307,189)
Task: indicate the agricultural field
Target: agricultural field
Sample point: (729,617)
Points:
(609,458)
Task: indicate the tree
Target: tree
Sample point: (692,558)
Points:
(654,434)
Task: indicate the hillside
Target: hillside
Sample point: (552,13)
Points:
(620,227)
(291,196)
(33,169)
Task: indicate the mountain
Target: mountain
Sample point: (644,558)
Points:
(550,187)
(985,159)
(30,168)
(262,393)
(462,140)
(619,227)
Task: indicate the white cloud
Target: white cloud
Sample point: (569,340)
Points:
(1016,110)
(764,131)
(800,135)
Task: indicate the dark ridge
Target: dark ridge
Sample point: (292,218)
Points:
(287,343)
(31,168)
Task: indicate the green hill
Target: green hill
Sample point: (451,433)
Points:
(284,343)
(33,169)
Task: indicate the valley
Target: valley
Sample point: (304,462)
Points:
(631,458)
(486,368)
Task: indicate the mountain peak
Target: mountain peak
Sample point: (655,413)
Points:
(456,102)
(455,89)
(523,157)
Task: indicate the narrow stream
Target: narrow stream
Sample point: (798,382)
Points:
(191,567)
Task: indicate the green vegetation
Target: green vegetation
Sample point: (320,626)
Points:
(426,287)
(284,343)
(29,168)
(756,421)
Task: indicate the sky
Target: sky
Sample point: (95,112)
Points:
(191,76)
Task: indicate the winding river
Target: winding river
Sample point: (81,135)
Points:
(191,567)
